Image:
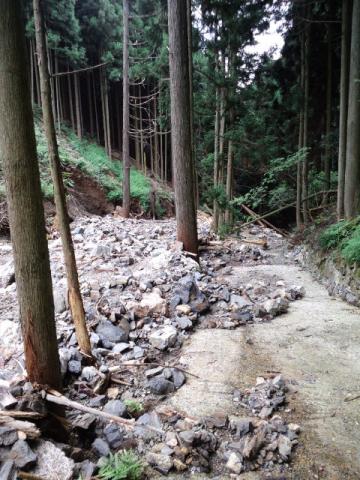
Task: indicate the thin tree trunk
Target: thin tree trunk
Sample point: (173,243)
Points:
(96,110)
(75,300)
(166,158)
(352,172)
(71,98)
(125,146)
(78,106)
(103,110)
(32,72)
(305,169)
(142,153)
(327,159)
(107,116)
(183,169)
(221,142)
(156,144)
(25,208)
(37,81)
(91,117)
(301,135)
(58,96)
(344,97)
(216,159)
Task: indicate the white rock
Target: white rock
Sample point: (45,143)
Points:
(234,463)
(164,337)
(52,463)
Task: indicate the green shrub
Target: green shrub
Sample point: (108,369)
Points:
(123,465)
(333,236)
(133,406)
(350,248)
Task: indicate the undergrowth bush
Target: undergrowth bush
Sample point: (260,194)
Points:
(344,237)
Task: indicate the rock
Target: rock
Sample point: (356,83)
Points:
(7,471)
(112,333)
(253,444)
(85,470)
(84,421)
(8,436)
(115,407)
(179,465)
(184,323)
(275,306)
(7,400)
(241,425)
(100,447)
(74,366)
(59,301)
(163,463)
(241,316)
(352,299)
(187,437)
(151,419)
(239,301)
(153,371)
(22,455)
(171,439)
(163,337)
(178,377)
(234,463)
(160,386)
(114,435)
(284,446)
(121,348)
(278,382)
(138,352)
(183,309)
(89,374)
(52,463)
(151,304)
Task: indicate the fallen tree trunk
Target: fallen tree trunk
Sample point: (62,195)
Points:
(266,222)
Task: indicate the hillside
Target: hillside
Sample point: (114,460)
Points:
(93,181)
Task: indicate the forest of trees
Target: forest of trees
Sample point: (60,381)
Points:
(173,89)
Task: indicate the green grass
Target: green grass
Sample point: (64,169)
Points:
(123,465)
(343,237)
(133,406)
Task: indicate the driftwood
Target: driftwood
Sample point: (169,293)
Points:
(266,222)
(21,415)
(253,214)
(262,243)
(29,476)
(56,397)
(128,364)
(278,210)
(22,427)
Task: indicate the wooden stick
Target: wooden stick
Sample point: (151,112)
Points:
(60,74)
(128,364)
(267,223)
(263,243)
(352,398)
(29,476)
(20,414)
(29,429)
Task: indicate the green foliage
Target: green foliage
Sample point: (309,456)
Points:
(343,236)
(123,465)
(133,406)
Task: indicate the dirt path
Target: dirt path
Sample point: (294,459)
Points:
(316,346)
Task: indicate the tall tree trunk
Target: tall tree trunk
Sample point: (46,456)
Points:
(166,158)
(327,159)
(221,143)
(142,153)
(58,96)
(183,169)
(96,109)
(352,172)
(125,142)
(301,135)
(71,99)
(107,115)
(216,159)
(75,300)
(37,82)
(90,105)
(344,97)
(26,213)
(32,72)
(305,169)
(78,106)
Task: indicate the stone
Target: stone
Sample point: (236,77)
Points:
(151,304)
(179,465)
(100,447)
(163,337)
(153,371)
(275,306)
(234,463)
(183,309)
(115,407)
(112,333)
(241,316)
(187,437)
(184,323)
(8,436)
(160,386)
(74,366)
(114,435)
(52,463)
(89,374)
(59,301)
(242,426)
(284,446)
(120,348)
(138,352)
(84,421)
(171,439)
(22,455)
(7,470)
(163,463)
(178,377)
(239,301)
(150,419)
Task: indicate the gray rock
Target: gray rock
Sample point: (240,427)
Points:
(89,374)
(22,455)
(8,436)
(234,463)
(241,316)
(138,352)
(153,371)
(160,386)
(151,419)
(187,437)
(112,333)
(239,301)
(59,301)
(163,337)
(178,377)
(7,471)
(184,323)
(115,407)
(121,348)
(101,447)
(114,435)
(284,447)
(163,463)
(52,463)
(74,366)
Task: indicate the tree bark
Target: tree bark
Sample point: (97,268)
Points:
(216,158)
(352,172)
(71,98)
(26,213)
(305,169)
(183,169)
(75,301)
(327,159)
(125,142)
(301,134)
(344,98)
(78,106)
(90,106)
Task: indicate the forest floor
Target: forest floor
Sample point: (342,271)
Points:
(272,360)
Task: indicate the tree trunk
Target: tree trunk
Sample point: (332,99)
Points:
(327,159)
(75,301)
(90,106)
(71,98)
(58,96)
(96,110)
(156,145)
(305,169)
(301,135)
(26,213)
(216,159)
(344,97)
(78,106)
(183,169)
(142,153)
(32,72)
(107,116)
(221,143)
(125,142)
(352,172)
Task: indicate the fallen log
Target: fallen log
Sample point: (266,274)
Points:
(266,222)
(252,214)
(128,364)
(23,428)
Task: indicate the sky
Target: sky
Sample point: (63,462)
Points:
(268,40)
